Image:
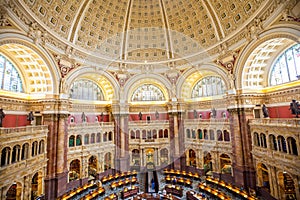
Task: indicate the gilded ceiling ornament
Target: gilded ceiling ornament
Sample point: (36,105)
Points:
(228,60)
(36,34)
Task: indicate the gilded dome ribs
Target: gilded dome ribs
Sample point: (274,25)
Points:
(124,40)
(217,25)
(78,17)
(170,54)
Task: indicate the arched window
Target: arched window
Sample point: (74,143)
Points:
(193,134)
(292,145)
(110,136)
(86,90)
(137,134)
(281,144)
(41,147)
(98,138)
(132,134)
(154,134)
(188,133)
(273,142)
(148,92)
(86,139)
(72,141)
(166,133)
(285,67)
(256,139)
(208,86)
(93,138)
(34,148)
(9,76)
(5,156)
(205,134)
(161,133)
(15,154)
(104,137)
(25,151)
(219,135)
(226,136)
(78,140)
(200,135)
(263,140)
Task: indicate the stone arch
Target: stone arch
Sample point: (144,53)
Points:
(47,65)
(285,32)
(105,80)
(189,78)
(14,191)
(158,80)
(263,177)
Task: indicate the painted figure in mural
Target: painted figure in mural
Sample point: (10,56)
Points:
(2,115)
(295,108)
(140,115)
(30,116)
(265,111)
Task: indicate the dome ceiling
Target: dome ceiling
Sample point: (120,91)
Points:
(139,31)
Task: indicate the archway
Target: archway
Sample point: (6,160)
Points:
(225,163)
(263,177)
(14,192)
(164,157)
(92,167)
(207,164)
(287,186)
(135,157)
(107,161)
(34,186)
(192,158)
(150,158)
(74,172)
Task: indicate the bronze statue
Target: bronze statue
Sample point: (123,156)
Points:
(295,108)
(265,111)
(30,116)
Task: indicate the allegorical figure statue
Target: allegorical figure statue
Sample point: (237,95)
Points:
(83,117)
(295,108)
(30,116)
(140,116)
(156,115)
(265,111)
(2,115)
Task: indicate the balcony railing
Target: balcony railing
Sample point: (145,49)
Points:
(23,129)
(276,122)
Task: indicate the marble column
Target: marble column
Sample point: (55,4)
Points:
(57,175)
(243,169)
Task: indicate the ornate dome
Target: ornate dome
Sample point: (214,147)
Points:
(138,31)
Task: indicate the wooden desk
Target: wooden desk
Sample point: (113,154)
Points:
(111,197)
(173,189)
(193,196)
(214,192)
(129,192)
(96,193)
(234,189)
